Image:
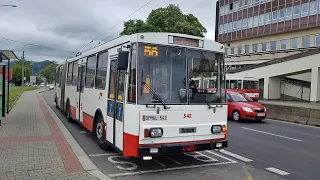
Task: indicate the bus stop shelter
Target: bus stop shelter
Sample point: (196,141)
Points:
(5,55)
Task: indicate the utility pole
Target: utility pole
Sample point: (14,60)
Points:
(22,84)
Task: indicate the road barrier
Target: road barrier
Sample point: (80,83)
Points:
(301,115)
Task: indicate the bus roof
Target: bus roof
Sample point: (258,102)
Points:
(172,39)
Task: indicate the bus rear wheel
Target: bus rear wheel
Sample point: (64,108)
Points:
(69,118)
(100,133)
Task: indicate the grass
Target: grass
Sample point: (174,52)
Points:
(16,91)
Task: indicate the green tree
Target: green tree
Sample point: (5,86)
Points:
(169,19)
(39,80)
(17,73)
(49,71)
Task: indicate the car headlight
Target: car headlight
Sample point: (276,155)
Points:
(156,132)
(216,129)
(247,109)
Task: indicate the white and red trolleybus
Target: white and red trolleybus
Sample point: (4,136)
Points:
(245,85)
(135,94)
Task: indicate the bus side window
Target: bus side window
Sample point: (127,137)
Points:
(132,78)
(90,72)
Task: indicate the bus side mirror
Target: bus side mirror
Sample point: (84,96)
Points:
(123,60)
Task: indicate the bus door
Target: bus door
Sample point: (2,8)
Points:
(115,105)
(79,94)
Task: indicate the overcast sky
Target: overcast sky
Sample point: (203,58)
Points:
(65,26)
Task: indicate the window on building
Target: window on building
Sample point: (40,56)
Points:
(232,50)
(245,23)
(313,8)
(317,41)
(101,70)
(296,13)
(263,46)
(235,5)
(221,28)
(255,47)
(225,51)
(288,13)
(261,19)
(239,24)
(90,72)
(225,28)
(221,9)
(267,18)
(283,44)
(255,21)
(306,41)
(239,49)
(294,43)
(69,73)
(241,3)
(246,2)
(256,1)
(281,14)
(230,26)
(234,25)
(273,45)
(275,16)
(231,7)
(246,49)
(250,22)
(304,9)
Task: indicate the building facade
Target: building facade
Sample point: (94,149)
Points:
(255,31)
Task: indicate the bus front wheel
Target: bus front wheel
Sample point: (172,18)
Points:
(100,133)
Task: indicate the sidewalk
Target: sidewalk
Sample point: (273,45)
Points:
(33,144)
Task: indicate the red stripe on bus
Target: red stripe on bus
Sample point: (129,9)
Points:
(87,121)
(73,111)
(186,142)
(130,145)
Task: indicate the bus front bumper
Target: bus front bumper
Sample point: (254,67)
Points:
(179,148)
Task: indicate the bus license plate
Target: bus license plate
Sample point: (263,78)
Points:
(187,130)
(156,118)
(260,115)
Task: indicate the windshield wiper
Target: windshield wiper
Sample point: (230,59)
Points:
(155,94)
(210,107)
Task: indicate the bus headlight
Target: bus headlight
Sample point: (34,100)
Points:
(216,129)
(155,132)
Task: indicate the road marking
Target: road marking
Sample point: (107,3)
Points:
(277,171)
(167,169)
(241,158)
(216,154)
(85,132)
(175,161)
(105,154)
(271,134)
(158,162)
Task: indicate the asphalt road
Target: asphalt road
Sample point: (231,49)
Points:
(269,150)
(290,147)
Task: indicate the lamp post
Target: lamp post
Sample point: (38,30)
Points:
(8,5)
(23,61)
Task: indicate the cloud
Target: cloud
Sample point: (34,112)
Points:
(67,25)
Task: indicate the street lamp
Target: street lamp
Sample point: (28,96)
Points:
(8,5)
(23,60)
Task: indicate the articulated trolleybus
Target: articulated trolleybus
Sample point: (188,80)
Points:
(136,94)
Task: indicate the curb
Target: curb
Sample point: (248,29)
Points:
(84,159)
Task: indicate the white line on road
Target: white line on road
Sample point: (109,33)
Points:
(241,158)
(271,134)
(158,162)
(175,161)
(216,154)
(105,154)
(277,171)
(85,132)
(167,169)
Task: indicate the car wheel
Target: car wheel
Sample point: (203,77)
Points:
(100,133)
(236,115)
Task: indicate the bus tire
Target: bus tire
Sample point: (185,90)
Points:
(69,118)
(100,133)
(236,116)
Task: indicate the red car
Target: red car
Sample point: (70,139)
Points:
(241,106)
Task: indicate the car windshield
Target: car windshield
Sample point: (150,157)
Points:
(236,97)
(163,73)
(250,84)
(247,97)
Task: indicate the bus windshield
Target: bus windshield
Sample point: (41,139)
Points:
(163,70)
(247,84)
